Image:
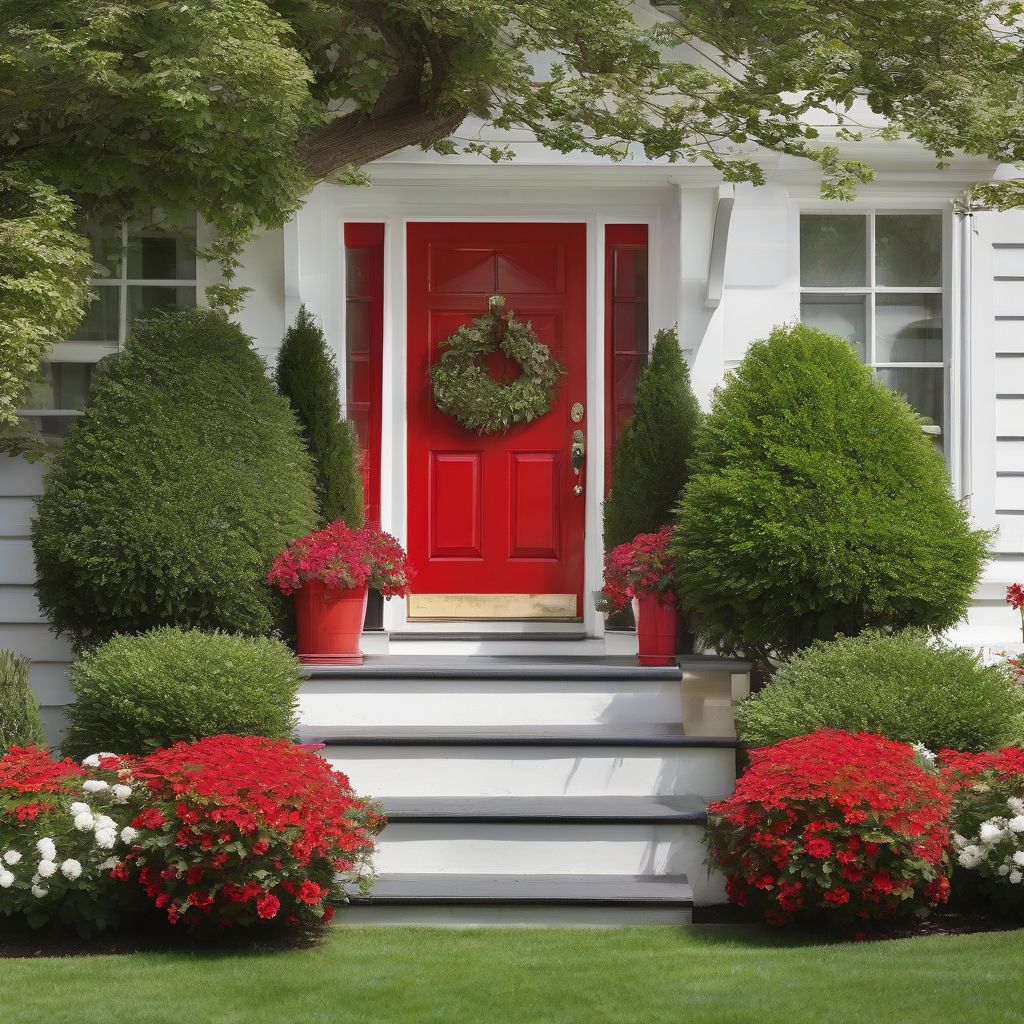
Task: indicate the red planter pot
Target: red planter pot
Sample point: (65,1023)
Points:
(656,625)
(329,623)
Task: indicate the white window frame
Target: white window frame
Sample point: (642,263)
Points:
(871,289)
(93,351)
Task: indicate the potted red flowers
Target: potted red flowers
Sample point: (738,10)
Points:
(641,571)
(330,573)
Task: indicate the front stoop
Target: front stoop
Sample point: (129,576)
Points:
(521,790)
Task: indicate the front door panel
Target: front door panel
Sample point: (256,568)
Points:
(495,526)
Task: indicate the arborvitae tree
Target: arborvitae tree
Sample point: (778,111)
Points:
(20,724)
(650,463)
(817,506)
(308,377)
(174,490)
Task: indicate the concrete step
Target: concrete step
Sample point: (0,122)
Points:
(477,691)
(532,761)
(533,848)
(509,900)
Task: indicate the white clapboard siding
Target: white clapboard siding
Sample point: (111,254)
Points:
(23,628)
(1010,374)
(1008,336)
(1010,455)
(16,515)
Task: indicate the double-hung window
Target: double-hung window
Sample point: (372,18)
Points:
(137,268)
(876,279)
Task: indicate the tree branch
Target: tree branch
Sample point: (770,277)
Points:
(359,138)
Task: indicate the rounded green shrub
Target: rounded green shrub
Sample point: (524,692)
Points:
(649,466)
(174,491)
(817,506)
(136,693)
(308,378)
(903,686)
(20,724)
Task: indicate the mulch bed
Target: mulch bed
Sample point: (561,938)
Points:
(940,922)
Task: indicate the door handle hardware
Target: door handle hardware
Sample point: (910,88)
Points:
(578,454)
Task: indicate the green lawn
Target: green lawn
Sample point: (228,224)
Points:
(695,976)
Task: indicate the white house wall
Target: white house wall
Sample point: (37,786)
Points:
(303,263)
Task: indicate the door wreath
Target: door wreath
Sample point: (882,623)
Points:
(464,389)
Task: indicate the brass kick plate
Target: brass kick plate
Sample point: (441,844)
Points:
(492,606)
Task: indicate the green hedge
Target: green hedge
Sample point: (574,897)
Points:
(173,492)
(817,506)
(899,685)
(649,466)
(136,693)
(20,724)
(308,378)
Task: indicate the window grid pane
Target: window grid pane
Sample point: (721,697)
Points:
(154,250)
(901,300)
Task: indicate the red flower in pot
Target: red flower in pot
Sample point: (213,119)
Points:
(641,571)
(330,572)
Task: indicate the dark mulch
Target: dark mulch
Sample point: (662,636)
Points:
(18,940)
(956,921)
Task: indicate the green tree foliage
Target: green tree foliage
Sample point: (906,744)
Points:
(903,686)
(136,693)
(650,462)
(20,724)
(817,506)
(173,492)
(44,269)
(308,378)
(232,106)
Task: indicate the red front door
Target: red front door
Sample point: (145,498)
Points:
(495,525)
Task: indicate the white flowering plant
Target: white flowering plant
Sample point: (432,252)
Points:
(63,829)
(988,822)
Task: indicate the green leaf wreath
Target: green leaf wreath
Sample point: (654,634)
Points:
(464,389)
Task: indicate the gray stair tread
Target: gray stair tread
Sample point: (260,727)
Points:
(552,890)
(434,666)
(612,735)
(554,809)
(562,668)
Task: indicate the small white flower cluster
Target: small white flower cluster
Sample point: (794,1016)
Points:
(997,851)
(925,757)
(101,829)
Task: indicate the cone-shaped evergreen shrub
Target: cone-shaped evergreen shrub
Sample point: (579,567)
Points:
(650,462)
(174,491)
(816,506)
(308,378)
(20,725)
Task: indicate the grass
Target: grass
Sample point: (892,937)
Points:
(399,975)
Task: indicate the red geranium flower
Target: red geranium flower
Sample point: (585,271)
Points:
(268,905)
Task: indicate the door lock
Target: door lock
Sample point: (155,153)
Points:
(578,455)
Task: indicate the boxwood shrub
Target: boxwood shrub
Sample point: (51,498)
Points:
(903,686)
(173,492)
(136,693)
(817,506)
(20,724)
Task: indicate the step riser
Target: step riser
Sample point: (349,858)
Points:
(707,772)
(512,917)
(497,647)
(487,703)
(519,849)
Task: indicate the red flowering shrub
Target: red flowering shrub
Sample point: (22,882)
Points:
(639,567)
(1015,599)
(834,822)
(239,829)
(344,558)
